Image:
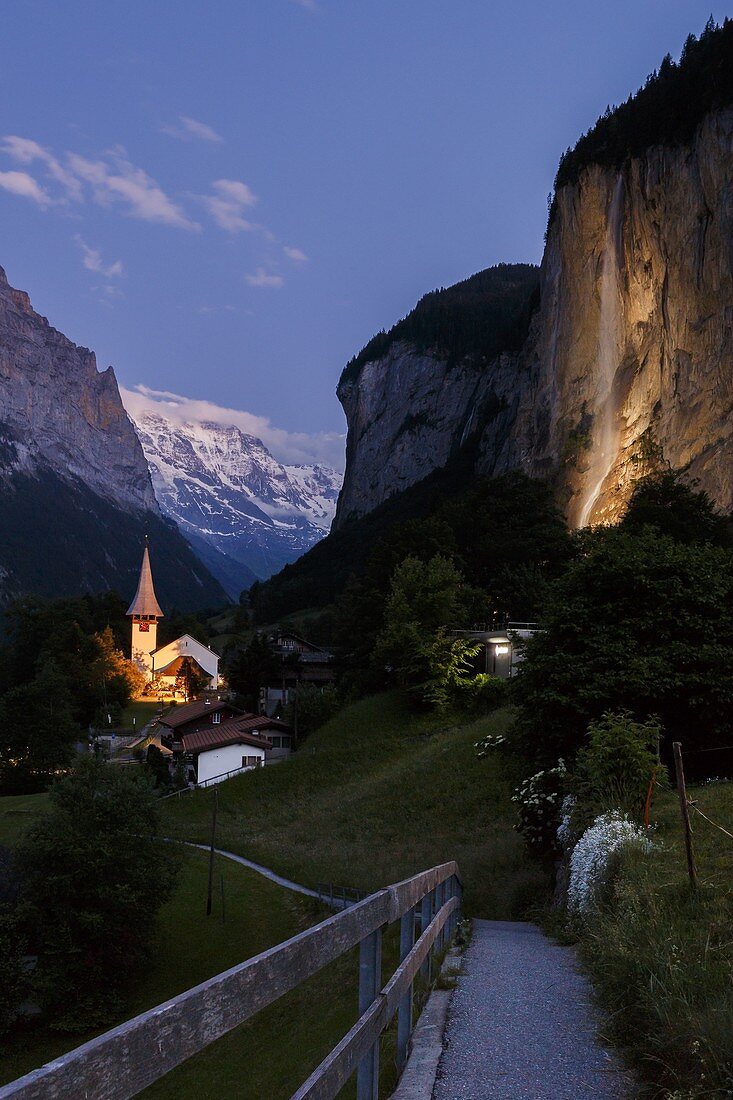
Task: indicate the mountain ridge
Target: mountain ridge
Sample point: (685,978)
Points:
(246,513)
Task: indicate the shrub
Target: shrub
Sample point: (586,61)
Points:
(12,976)
(94,876)
(481,694)
(615,768)
(592,859)
(539,798)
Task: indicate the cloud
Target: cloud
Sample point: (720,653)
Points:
(20,183)
(217,309)
(228,203)
(295,254)
(262,278)
(116,180)
(26,151)
(191,129)
(309,5)
(326,448)
(92,259)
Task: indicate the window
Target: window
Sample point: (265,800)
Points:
(250,761)
(275,742)
(286,742)
(216,717)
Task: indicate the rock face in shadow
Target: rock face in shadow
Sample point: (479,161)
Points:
(628,359)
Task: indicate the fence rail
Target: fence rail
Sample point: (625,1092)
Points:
(125,1060)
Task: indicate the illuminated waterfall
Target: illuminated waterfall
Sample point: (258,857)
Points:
(604,447)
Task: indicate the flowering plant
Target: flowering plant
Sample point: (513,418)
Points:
(592,859)
(489,742)
(539,798)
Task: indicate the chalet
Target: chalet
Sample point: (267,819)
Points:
(212,737)
(302,663)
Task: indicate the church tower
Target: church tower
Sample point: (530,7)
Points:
(144,612)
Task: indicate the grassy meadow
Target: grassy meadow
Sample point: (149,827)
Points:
(379,793)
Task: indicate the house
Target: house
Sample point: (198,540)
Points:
(302,663)
(501,650)
(213,755)
(170,661)
(208,734)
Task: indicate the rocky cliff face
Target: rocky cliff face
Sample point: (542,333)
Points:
(632,351)
(629,356)
(61,412)
(76,497)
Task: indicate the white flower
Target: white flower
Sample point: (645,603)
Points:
(591,856)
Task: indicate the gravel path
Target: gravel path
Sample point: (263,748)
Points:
(521,1025)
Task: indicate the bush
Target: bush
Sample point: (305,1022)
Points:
(614,770)
(540,798)
(481,694)
(94,876)
(592,860)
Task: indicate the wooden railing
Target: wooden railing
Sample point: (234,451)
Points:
(125,1060)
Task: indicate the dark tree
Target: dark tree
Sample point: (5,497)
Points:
(94,876)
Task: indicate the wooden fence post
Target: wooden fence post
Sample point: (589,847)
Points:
(684,810)
(370,981)
(425,916)
(404,1015)
(211,853)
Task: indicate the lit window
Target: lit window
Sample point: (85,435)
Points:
(216,717)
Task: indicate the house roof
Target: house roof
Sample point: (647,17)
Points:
(145,602)
(190,711)
(228,733)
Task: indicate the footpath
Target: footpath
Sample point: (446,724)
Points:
(521,1024)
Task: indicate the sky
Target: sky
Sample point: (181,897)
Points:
(227,200)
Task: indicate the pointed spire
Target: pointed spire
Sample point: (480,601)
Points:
(145,602)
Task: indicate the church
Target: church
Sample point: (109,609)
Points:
(165,667)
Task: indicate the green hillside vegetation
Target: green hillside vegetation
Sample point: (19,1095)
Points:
(505,535)
(473,321)
(661,954)
(188,948)
(379,793)
(666,111)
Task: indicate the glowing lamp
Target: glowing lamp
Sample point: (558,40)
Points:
(502,650)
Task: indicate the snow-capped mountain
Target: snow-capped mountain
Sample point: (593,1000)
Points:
(245,513)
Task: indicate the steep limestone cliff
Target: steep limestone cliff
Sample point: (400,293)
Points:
(629,355)
(632,351)
(61,412)
(415,397)
(75,493)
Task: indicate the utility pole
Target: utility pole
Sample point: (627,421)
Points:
(211,852)
(685,812)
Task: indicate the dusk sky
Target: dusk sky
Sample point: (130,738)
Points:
(227,200)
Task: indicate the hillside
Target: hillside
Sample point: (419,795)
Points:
(376,795)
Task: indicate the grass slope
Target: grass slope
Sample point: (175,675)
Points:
(661,955)
(188,947)
(376,795)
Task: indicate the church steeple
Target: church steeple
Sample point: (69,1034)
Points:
(144,612)
(145,604)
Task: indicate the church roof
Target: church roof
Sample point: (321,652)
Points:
(145,602)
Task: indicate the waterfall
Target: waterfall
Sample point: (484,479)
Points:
(605,431)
